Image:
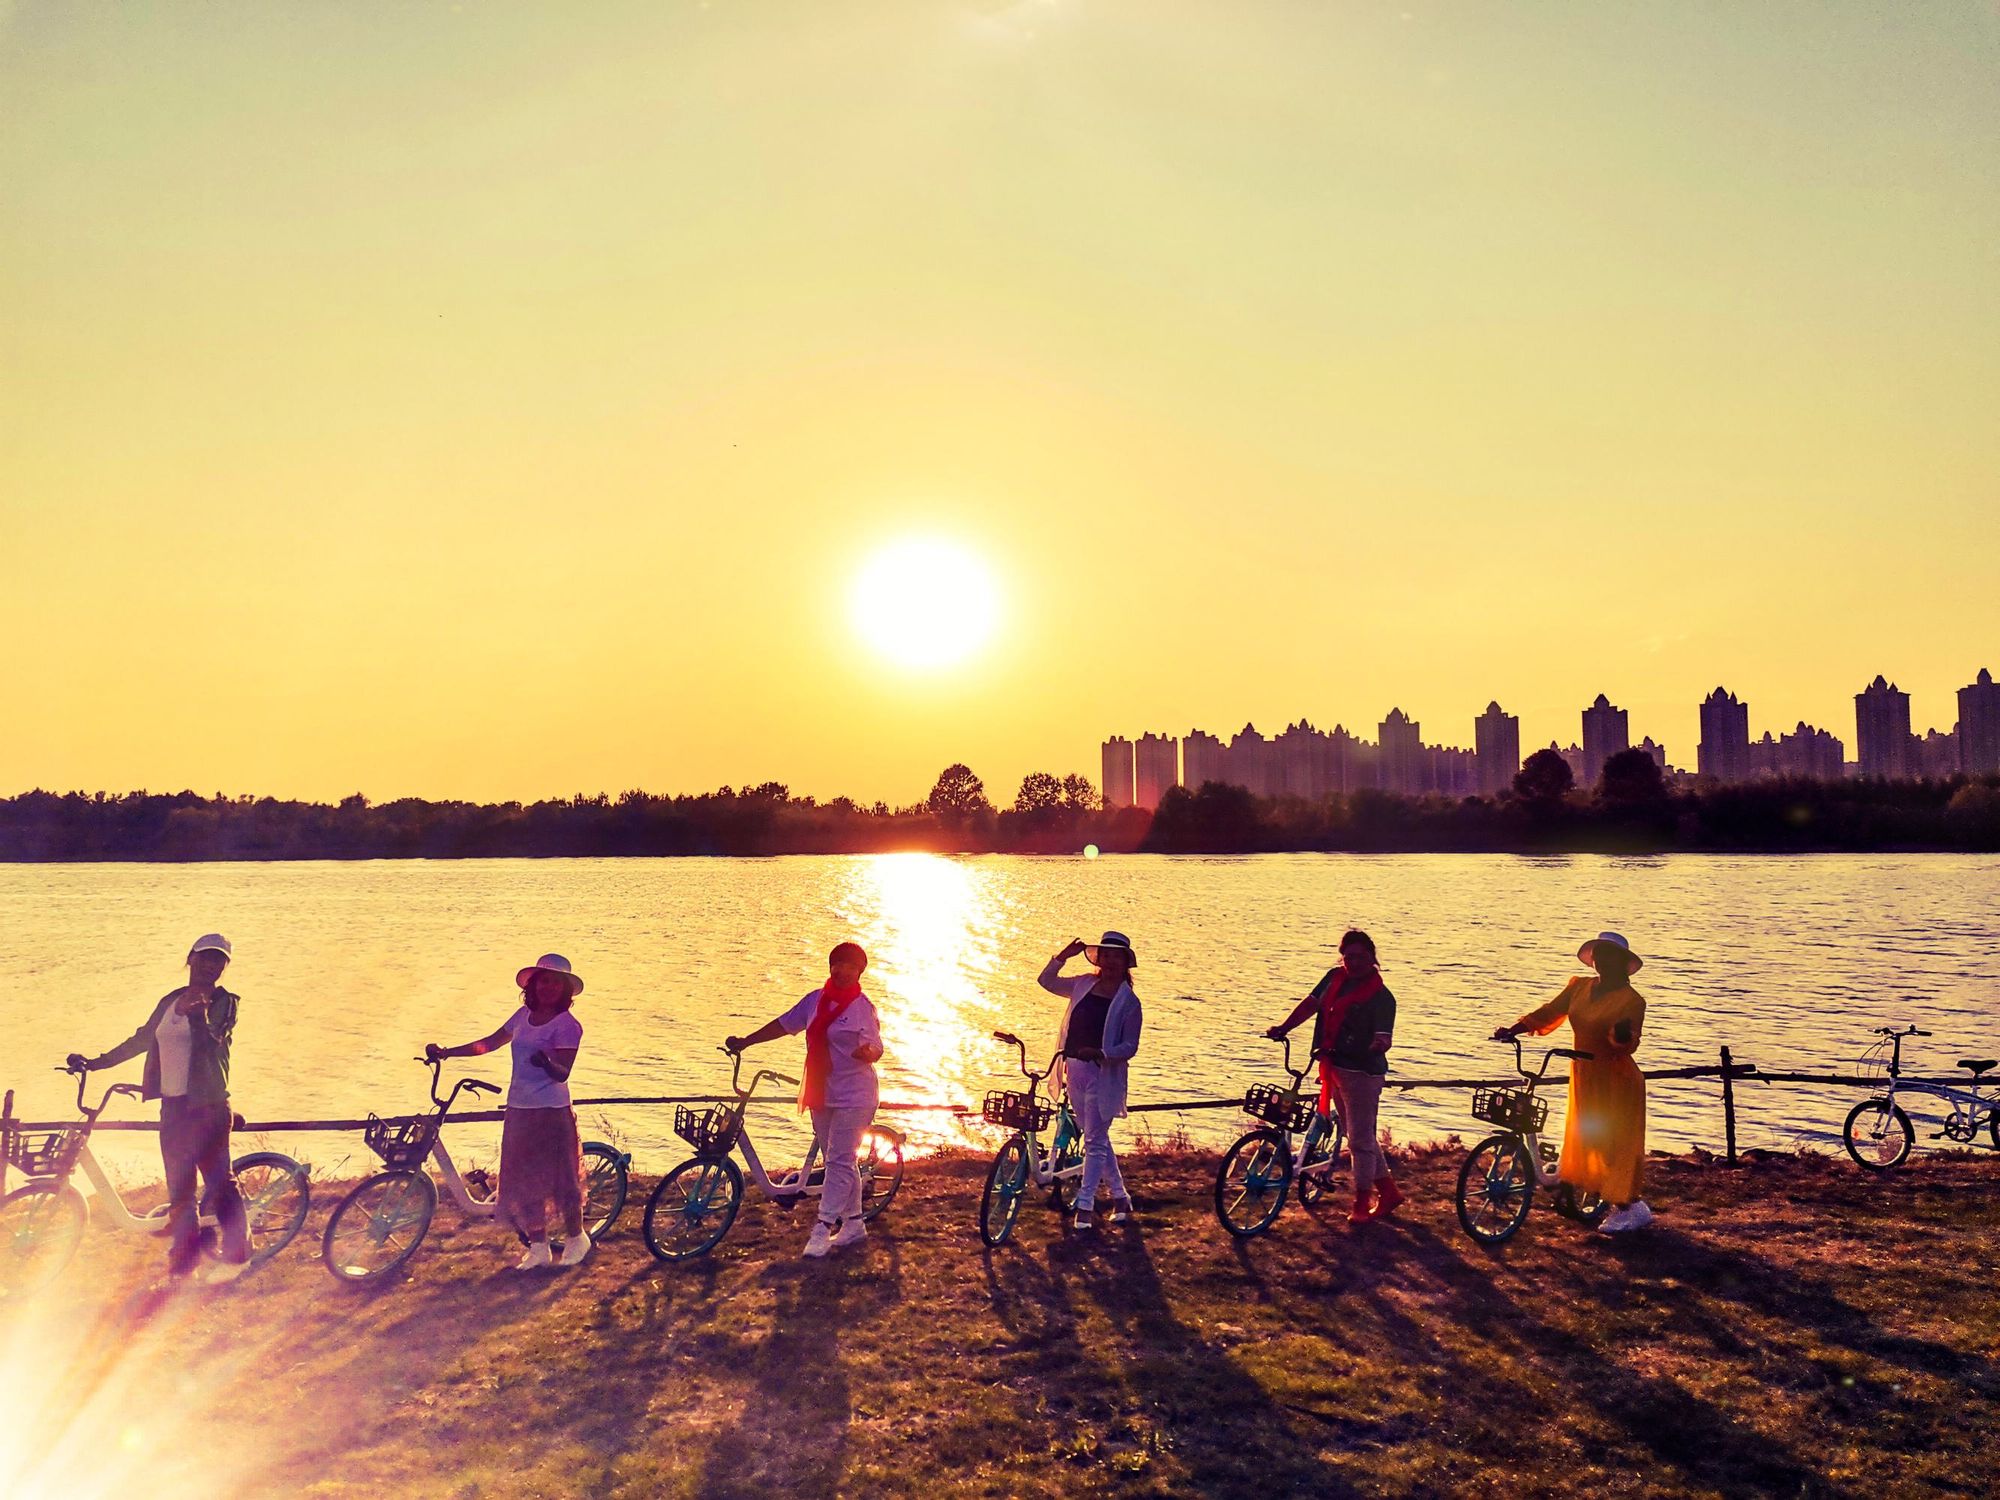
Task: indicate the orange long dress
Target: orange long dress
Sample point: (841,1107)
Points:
(1604,1141)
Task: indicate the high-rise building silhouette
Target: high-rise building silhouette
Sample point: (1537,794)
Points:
(1979,726)
(1605,733)
(1204,758)
(1658,752)
(1402,744)
(1723,753)
(1936,755)
(1250,760)
(1118,782)
(1158,762)
(1882,730)
(1496,741)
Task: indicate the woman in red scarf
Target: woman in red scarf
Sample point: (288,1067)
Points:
(1354,1025)
(843,1044)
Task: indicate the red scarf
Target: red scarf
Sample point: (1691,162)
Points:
(1334,1004)
(834,998)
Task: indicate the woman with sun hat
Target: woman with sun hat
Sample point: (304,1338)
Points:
(1098,1039)
(541,1154)
(1604,1139)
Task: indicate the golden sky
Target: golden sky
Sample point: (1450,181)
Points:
(496,400)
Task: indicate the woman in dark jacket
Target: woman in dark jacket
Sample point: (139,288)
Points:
(1354,1025)
(186,1042)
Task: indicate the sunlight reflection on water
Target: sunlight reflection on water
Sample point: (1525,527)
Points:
(347,969)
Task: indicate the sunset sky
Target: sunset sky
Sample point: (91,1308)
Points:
(500,401)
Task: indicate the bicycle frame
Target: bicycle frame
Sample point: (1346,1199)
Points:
(1546,1162)
(788,1187)
(1301,1143)
(1971,1106)
(1041,1164)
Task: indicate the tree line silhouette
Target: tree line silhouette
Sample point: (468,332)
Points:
(1630,809)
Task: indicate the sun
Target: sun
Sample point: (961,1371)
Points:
(925,603)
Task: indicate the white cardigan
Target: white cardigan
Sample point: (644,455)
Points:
(1121,1028)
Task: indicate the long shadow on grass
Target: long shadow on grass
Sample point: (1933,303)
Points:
(1697,1438)
(790,1438)
(1231,1435)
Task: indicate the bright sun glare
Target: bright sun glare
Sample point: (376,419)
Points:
(925,603)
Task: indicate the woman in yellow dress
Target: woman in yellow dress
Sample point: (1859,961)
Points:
(1604,1141)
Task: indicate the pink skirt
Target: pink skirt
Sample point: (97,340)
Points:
(541,1162)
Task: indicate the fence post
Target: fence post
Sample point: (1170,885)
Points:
(1729,1106)
(6,1137)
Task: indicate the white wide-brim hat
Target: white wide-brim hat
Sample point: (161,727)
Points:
(552,963)
(1613,940)
(1117,942)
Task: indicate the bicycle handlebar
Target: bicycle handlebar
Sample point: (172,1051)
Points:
(1548,1057)
(129,1090)
(736,1076)
(476,1085)
(1905,1031)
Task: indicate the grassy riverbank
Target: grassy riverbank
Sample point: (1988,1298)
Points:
(1791,1327)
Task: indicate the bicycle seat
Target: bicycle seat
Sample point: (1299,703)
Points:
(1977,1064)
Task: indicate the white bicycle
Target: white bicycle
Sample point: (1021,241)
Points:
(42,1221)
(694,1205)
(1496,1186)
(1878,1134)
(380,1223)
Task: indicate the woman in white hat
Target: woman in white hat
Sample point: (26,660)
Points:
(1099,1036)
(1604,1140)
(541,1154)
(186,1041)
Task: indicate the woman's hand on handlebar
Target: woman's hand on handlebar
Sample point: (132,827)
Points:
(733,1044)
(1276,1033)
(434,1053)
(76,1062)
(1504,1034)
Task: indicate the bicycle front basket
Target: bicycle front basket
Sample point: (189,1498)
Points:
(1519,1110)
(1014,1111)
(401,1145)
(44,1155)
(1279,1107)
(711,1131)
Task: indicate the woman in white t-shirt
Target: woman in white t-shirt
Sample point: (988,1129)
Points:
(843,1044)
(541,1154)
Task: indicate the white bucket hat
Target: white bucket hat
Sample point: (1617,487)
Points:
(1612,940)
(552,963)
(1117,942)
(211,942)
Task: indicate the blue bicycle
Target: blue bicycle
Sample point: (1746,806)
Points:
(1259,1170)
(1020,1161)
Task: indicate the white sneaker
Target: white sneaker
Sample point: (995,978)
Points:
(1635,1215)
(574,1249)
(819,1241)
(852,1232)
(537,1257)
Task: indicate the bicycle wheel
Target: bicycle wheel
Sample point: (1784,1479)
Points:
(1496,1188)
(378,1226)
(1251,1182)
(1877,1134)
(1006,1182)
(880,1164)
(277,1195)
(692,1208)
(41,1224)
(604,1187)
(1316,1162)
(1066,1161)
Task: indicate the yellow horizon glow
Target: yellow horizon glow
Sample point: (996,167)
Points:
(475,401)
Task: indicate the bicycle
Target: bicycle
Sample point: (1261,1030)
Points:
(384,1218)
(1020,1159)
(42,1221)
(693,1206)
(1258,1171)
(1878,1134)
(1496,1186)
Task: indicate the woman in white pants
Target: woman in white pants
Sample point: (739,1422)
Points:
(843,1044)
(1100,1034)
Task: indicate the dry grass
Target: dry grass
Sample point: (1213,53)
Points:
(1792,1328)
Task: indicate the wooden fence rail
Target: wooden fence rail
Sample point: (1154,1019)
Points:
(1727,1072)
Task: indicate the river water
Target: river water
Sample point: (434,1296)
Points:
(346,969)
